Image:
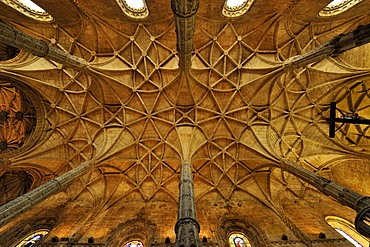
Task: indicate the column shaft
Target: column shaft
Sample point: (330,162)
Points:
(26,202)
(185,16)
(344,195)
(10,36)
(187,227)
(334,47)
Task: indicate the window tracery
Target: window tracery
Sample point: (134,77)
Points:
(30,9)
(32,239)
(238,240)
(235,8)
(338,6)
(134,8)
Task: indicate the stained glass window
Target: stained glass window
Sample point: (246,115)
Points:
(134,243)
(238,240)
(32,239)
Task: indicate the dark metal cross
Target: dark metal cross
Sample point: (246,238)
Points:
(346,119)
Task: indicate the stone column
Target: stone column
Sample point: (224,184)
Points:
(187,227)
(26,202)
(185,15)
(39,48)
(334,47)
(344,195)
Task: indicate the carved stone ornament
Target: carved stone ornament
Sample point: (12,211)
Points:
(37,15)
(336,9)
(185,8)
(235,11)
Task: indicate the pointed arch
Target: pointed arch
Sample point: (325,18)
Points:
(33,238)
(347,230)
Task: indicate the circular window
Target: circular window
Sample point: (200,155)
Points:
(338,6)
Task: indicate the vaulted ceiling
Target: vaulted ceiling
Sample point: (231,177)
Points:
(237,105)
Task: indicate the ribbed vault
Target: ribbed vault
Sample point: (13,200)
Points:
(245,110)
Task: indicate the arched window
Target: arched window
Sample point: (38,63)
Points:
(134,243)
(30,9)
(235,8)
(238,240)
(348,237)
(347,230)
(134,8)
(32,239)
(338,6)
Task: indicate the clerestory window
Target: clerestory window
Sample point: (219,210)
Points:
(33,238)
(134,8)
(338,6)
(134,243)
(347,230)
(237,239)
(30,9)
(235,8)
(348,237)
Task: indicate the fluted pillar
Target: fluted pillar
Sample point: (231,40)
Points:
(187,227)
(185,16)
(334,47)
(26,202)
(345,196)
(40,48)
